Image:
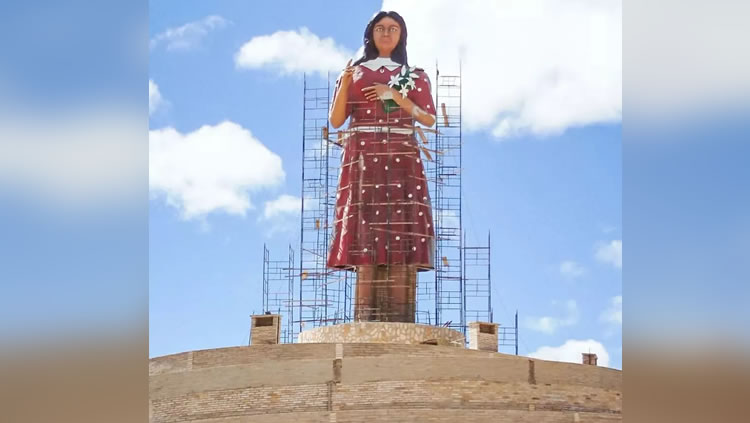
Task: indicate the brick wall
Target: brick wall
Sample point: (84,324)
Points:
(377,382)
(247,355)
(170,363)
(483,336)
(383,332)
(406,415)
(265,329)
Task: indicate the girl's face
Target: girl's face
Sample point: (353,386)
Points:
(386,33)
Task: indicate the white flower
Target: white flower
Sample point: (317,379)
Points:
(393,81)
(404,90)
(403,70)
(411,84)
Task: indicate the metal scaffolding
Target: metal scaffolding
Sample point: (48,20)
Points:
(324,295)
(278,290)
(477,282)
(508,336)
(449,302)
(456,292)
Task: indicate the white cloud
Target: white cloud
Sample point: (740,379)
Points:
(211,169)
(571,270)
(293,52)
(536,66)
(281,215)
(685,72)
(571,351)
(284,205)
(188,35)
(313,203)
(550,324)
(610,253)
(614,313)
(155,99)
(86,159)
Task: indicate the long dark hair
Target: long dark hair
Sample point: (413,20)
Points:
(398,54)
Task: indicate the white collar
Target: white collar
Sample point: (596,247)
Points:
(379,62)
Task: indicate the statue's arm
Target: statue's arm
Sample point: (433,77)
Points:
(338,114)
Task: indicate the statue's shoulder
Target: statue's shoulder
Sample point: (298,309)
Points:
(422,73)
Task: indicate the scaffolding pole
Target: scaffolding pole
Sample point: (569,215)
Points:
(449,299)
(278,290)
(477,282)
(455,292)
(324,295)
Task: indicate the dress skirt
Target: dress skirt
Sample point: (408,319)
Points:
(383,214)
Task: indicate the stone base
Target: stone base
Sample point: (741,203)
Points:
(373,383)
(382,333)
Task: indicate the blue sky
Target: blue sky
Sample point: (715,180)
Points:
(548,188)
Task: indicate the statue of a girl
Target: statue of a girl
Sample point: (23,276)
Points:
(383,217)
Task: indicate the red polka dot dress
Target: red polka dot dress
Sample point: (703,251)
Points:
(383,214)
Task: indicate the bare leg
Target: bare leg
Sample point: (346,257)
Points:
(385,293)
(402,284)
(364,305)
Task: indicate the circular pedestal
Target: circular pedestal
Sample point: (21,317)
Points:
(383,333)
(373,383)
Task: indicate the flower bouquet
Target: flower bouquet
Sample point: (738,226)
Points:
(403,82)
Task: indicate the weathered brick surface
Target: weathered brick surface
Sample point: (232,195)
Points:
(255,353)
(281,373)
(386,368)
(240,402)
(298,417)
(170,363)
(551,372)
(383,333)
(479,340)
(260,335)
(376,382)
(471,415)
(375,350)
(470,394)
(424,415)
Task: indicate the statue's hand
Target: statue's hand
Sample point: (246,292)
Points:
(346,75)
(378,91)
